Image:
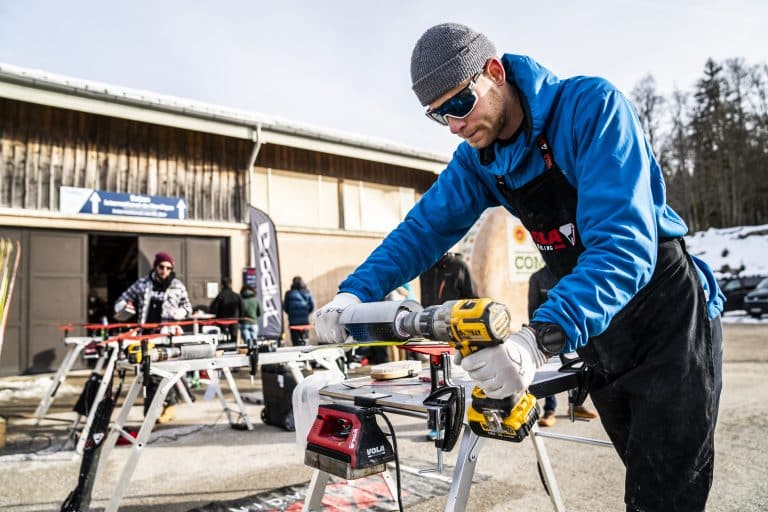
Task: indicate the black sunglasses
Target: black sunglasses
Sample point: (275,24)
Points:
(458,106)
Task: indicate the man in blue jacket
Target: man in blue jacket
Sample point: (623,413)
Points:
(569,158)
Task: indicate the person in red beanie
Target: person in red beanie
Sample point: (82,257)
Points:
(157,297)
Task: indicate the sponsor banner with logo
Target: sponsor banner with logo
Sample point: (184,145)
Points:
(267,273)
(524,258)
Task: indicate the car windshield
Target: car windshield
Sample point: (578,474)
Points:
(763,285)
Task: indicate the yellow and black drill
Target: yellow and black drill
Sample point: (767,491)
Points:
(468,325)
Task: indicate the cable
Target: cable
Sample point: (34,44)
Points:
(378,411)
(178,435)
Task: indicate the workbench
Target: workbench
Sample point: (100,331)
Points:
(170,372)
(109,351)
(406,396)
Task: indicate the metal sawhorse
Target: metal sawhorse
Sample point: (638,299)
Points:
(173,370)
(401,399)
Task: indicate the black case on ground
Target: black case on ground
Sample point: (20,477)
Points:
(277,383)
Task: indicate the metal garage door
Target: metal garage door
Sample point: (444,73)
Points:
(57,293)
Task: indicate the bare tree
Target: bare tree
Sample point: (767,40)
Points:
(649,104)
(714,154)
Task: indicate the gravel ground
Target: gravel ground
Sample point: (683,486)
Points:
(198,459)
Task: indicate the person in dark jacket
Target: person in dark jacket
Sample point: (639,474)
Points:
(227,304)
(249,323)
(448,279)
(298,304)
(539,285)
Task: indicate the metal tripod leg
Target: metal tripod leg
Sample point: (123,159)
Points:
(58,379)
(465,470)
(106,381)
(546,470)
(236,395)
(391,484)
(117,426)
(315,491)
(169,380)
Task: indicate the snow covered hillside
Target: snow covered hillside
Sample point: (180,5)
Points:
(741,251)
(731,252)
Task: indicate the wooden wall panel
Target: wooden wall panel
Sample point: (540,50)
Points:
(43,148)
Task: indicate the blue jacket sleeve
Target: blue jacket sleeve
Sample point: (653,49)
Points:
(616,217)
(440,218)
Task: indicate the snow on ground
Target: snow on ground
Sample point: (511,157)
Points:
(12,388)
(739,316)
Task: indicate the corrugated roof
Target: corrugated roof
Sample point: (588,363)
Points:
(38,86)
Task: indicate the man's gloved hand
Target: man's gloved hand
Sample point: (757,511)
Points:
(507,369)
(179,314)
(327,325)
(124,309)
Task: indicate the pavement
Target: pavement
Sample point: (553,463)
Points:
(197,462)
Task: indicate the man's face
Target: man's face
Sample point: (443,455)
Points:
(163,269)
(483,124)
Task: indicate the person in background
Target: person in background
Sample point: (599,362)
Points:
(157,297)
(298,304)
(569,158)
(539,285)
(448,279)
(251,313)
(227,304)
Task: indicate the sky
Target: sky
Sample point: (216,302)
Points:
(345,65)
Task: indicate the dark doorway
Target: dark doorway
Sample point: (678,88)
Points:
(112,268)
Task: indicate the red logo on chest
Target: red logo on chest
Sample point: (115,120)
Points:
(555,239)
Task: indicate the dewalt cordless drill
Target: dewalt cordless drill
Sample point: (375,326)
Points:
(468,325)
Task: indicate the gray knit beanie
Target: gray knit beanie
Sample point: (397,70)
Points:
(445,56)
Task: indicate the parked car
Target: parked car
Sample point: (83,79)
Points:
(756,301)
(736,288)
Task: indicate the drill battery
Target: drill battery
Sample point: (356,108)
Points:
(503,418)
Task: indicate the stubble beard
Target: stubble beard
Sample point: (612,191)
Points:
(494,124)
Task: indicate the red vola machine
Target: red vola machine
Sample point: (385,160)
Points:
(346,441)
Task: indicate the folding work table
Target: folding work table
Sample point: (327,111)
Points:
(171,371)
(406,396)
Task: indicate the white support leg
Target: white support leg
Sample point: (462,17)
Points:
(154,411)
(236,395)
(546,470)
(391,484)
(117,426)
(465,470)
(316,491)
(58,380)
(106,381)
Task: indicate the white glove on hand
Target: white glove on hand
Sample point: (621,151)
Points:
(124,309)
(327,325)
(507,369)
(179,314)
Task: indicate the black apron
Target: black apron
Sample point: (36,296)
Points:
(657,365)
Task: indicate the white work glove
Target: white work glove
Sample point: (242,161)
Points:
(327,325)
(507,369)
(179,314)
(124,309)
